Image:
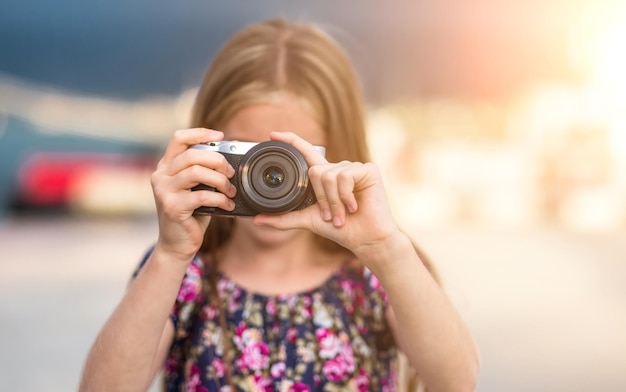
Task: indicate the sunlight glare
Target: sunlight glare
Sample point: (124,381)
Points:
(609,81)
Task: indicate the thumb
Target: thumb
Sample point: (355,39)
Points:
(203,221)
(300,219)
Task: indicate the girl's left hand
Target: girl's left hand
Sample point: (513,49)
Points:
(351,209)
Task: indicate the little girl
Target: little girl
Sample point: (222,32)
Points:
(317,299)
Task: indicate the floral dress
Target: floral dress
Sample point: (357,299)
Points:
(331,338)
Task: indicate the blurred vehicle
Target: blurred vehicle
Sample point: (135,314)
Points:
(61,172)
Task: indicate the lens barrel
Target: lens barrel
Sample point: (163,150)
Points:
(273,177)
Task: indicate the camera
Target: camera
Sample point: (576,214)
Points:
(271,178)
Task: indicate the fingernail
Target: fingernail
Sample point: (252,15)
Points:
(326,215)
(337,221)
(233,191)
(231,171)
(231,205)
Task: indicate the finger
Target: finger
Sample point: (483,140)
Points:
(315,177)
(345,187)
(196,175)
(203,198)
(189,201)
(311,154)
(300,219)
(331,190)
(182,205)
(185,138)
(209,159)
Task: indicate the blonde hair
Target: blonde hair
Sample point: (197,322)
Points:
(277,56)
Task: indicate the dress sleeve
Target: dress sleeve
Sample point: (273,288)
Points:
(189,295)
(378,304)
(377,298)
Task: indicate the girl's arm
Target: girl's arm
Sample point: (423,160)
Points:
(133,342)
(428,329)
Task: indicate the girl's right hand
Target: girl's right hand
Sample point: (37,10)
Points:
(181,168)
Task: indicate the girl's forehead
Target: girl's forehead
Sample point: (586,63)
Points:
(255,122)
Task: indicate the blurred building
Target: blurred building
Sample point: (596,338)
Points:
(467,163)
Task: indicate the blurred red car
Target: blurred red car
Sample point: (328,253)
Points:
(61,172)
(84,180)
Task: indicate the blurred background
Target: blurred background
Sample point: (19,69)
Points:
(500,127)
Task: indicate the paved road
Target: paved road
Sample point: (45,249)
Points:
(547,308)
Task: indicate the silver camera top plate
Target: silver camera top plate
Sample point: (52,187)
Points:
(226,147)
(235,147)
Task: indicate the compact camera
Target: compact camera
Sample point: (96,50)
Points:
(271,178)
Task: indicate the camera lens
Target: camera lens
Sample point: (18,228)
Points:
(273,176)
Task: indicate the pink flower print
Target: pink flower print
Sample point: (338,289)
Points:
(219,367)
(194,269)
(329,343)
(342,362)
(234,302)
(308,304)
(346,287)
(375,284)
(362,381)
(251,336)
(189,289)
(263,383)
(239,332)
(194,384)
(292,334)
(288,299)
(224,285)
(333,370)
(270,307)
(209,312)
(278,369)
(300,387)
(306,312)
(347,358)
(254,357)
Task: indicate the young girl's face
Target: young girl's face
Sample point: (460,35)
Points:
(283,112)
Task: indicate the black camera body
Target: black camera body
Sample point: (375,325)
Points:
(271,178)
